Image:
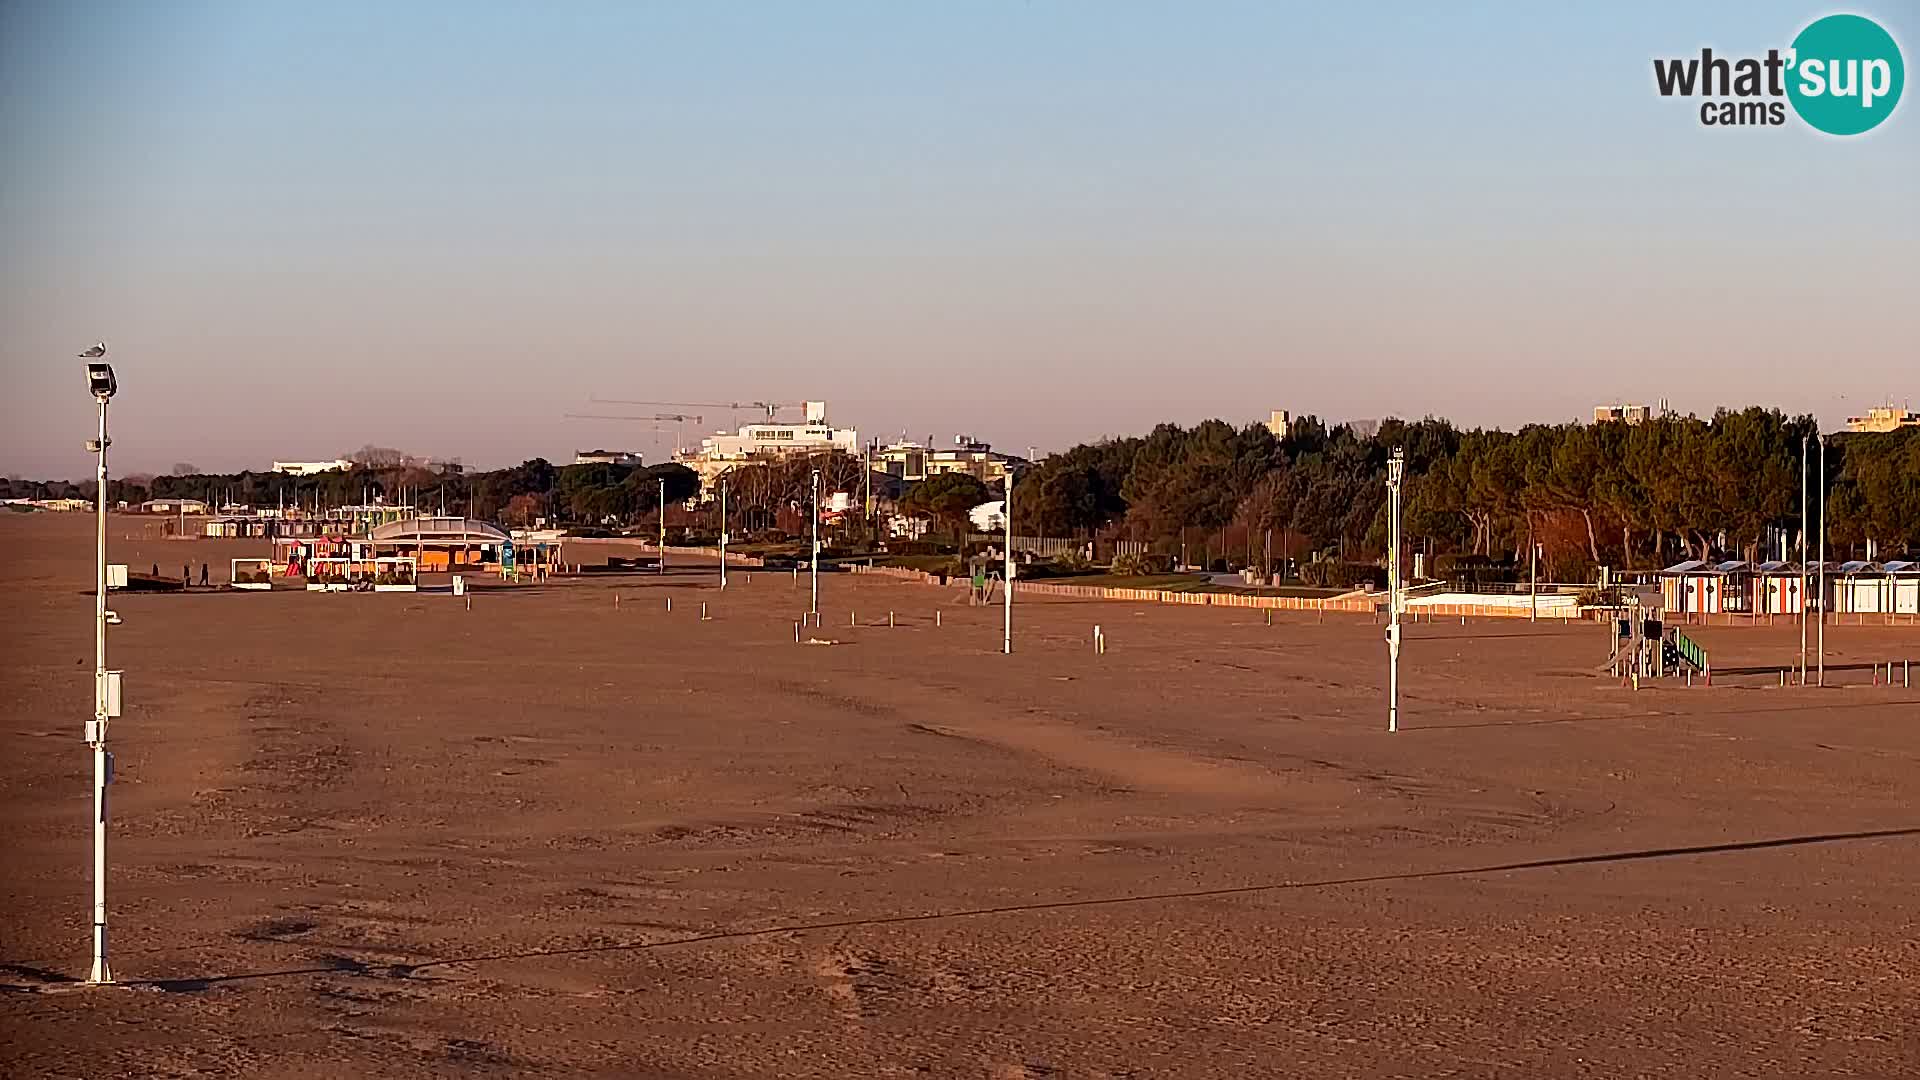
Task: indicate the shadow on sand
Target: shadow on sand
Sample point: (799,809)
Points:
(340,965)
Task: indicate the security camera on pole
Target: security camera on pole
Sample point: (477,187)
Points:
(1396,469)
(106,684)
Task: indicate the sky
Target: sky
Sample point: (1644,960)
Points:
(441,226)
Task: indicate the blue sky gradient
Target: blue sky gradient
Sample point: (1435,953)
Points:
(440,226)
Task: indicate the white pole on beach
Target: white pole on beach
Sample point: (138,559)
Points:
(1821,677)
(1805,461)
(105,684)
(813,563)
(1396,468)
(1006,575)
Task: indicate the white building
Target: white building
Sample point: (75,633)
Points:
(913,462)
(1622,413)
(173,506)
(1884,418)
(815,435)
(311,468)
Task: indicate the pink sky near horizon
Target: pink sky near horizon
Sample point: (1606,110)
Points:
(441,229)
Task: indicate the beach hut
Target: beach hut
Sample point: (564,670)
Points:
(1903,586)
(1778,589)
(1694,587)
(1861,588)
(1737,581)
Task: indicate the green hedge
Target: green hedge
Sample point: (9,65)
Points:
(1331,574)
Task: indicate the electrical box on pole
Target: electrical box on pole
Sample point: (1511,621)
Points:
(106,695)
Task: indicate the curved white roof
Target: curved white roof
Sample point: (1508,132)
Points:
(431,529)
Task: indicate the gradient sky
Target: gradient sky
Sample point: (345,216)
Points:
(440,226)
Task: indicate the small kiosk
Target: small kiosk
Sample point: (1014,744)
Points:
(253,574)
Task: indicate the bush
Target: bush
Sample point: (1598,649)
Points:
(1472,570)
(1132,564)
(917,547)
(590,532)
(1331,574)
(1054,568)
(1073,562)
(1599,597)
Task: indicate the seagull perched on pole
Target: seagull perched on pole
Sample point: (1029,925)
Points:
(95,353)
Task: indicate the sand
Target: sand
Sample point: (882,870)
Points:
(385,835)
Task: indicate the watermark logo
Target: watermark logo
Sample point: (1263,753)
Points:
(1842,75)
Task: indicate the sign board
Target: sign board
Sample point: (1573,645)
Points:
(506,555)
(117,575)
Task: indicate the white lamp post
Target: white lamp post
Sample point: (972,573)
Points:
(106,684)
(723,534)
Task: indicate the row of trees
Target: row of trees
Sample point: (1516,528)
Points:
(593,493)
(1613,493)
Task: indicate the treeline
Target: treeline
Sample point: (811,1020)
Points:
(1615,494)
(592,493)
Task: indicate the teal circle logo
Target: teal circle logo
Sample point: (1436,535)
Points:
(1845,75)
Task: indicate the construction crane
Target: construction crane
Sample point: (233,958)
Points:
(771,408)
(680,419)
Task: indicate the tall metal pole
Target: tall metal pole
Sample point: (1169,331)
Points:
(1396,467)
(663,525)
(1533,579)
(1805,462)
(1006,574)
(723,534)
(1821,677)
(102,761)
(813,563)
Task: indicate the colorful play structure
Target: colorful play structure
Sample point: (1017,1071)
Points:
(381,574)
(1644,647)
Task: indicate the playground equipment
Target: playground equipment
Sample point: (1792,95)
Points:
(1643,647)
